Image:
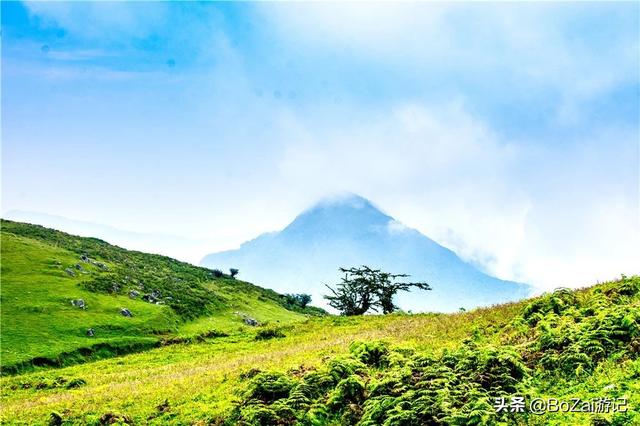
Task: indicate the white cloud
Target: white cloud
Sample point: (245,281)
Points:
(525,47)
(498,204)
(550,212)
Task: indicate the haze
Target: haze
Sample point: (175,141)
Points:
(512,141)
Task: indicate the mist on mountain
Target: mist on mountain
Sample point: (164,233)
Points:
(352,231)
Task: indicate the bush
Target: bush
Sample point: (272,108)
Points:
(269,333)
(269,387)
(297,300)
(372,353)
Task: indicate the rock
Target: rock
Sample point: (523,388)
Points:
(149,298)
(70,272)
(133,294)
(102,266)
(115,288)
(125,312)
(91,332)
(250,321)
(152,297)
(85,258)
(79,303)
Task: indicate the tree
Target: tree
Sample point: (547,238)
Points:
(301,300)
(355,294)
(365,288)
(233,272)
(387,287)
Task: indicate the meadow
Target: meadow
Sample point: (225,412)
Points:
(203,364)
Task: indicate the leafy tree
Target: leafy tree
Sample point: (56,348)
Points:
(233,272)
(355,294)
(304,300)
(301,300)
(386,287)
(365,288)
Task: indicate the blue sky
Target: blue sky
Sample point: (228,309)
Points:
(506,132)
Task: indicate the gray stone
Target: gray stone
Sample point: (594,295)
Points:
(149,298)
(152,297)
(250,321)
(133,294)
(85,258)
(125,312)
(90,332)
(70,272)
(79,303)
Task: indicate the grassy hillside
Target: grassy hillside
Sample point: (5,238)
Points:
(44,270)
(578,347)
(399,369)
(412,369)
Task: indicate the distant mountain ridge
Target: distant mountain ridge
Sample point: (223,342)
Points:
(351,231)
(184,249)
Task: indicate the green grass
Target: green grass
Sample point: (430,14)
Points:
(448,366)
(566,345)
(40,326)
(36,306)
(200,380)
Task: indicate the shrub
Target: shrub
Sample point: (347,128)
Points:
(269,333)
(269,387)
(76,383)
(371,353)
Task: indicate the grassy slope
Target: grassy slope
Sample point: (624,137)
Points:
(203,382)
(38,320)
(564,345)
(199,380)
(36,296)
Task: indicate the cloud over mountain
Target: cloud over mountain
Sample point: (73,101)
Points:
(351,231)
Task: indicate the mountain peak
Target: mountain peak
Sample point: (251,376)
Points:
(344,199)
(349,230)
(344,213)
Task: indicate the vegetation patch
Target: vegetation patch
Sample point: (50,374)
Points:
(81,355)
(269,333)
(564,334)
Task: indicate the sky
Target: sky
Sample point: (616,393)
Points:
(508,133)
